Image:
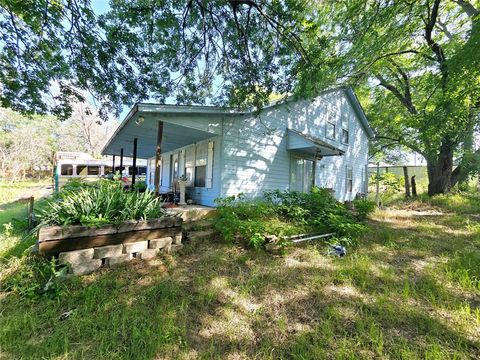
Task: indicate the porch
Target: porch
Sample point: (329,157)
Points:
(178,142)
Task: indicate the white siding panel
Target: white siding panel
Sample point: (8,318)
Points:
(255,148)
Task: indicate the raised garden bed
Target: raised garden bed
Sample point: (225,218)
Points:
(85,248)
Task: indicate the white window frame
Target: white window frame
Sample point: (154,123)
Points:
(349,179)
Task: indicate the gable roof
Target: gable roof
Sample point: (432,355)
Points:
(215,110)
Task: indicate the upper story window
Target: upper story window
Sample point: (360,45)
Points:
(345,136)
(330,130)
(345,133)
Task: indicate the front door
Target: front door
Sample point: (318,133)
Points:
(301,174)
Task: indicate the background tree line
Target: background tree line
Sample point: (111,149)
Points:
(414,64)
(28,143)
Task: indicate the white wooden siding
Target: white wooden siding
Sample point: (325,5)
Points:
(255,152)
(205,195)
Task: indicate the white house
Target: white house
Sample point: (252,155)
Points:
(291,145)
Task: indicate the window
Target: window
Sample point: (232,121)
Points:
(349,180)
(201,164)
(200,176)
(330,130)
(93,170)
(107,170)
(345,136)
(302,174)
(190,164)
(82,170)
(141,170)
(66,170)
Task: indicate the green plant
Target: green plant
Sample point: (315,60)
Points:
(104,203)
(140,186)
(283,214)
(363,208)
(36,278)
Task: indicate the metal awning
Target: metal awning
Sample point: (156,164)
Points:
(307,144)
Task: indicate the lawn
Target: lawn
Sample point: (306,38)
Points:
(410,289)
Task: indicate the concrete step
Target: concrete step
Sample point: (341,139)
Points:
(201,236)
(197,225)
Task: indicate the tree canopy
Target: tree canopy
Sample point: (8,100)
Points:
(415,64)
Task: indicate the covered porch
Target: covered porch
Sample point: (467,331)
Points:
(178,141)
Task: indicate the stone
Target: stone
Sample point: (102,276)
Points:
(107,251)
(174,248)
(114,260)
(177,239)
(135,247)
(85,267)
(147,254)
(75,257)
(159,243)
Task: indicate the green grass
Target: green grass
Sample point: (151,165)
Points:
(409,290)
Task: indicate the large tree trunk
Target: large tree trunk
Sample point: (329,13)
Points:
(440,171)
(407,181)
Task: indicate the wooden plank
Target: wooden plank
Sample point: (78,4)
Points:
(48,233)
(56,246)
(158,156)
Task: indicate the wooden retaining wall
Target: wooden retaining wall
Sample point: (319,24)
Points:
(55,239)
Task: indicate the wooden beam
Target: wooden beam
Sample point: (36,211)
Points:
(134,162)
(56,246)
(158,155)
(121,161)
(49,233)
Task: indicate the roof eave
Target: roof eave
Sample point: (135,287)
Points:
(359,110)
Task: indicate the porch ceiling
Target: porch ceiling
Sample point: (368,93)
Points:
(179,129)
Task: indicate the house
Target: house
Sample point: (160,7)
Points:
(292,145)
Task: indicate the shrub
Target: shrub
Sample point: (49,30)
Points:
(363,208)
(104,203)
(283,213)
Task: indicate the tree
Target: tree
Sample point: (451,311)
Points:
(29,143)
(233,52)
(414,63)
(419,67)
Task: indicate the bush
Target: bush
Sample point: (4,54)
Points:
(104,203)
(363,208)
(283,214)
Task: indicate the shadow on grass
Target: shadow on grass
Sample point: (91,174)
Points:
(219,301)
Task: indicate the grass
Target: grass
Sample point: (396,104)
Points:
(409,290)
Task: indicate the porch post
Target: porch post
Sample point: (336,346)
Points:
(113,165)
(134,162)
(158,155)
(121,161)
